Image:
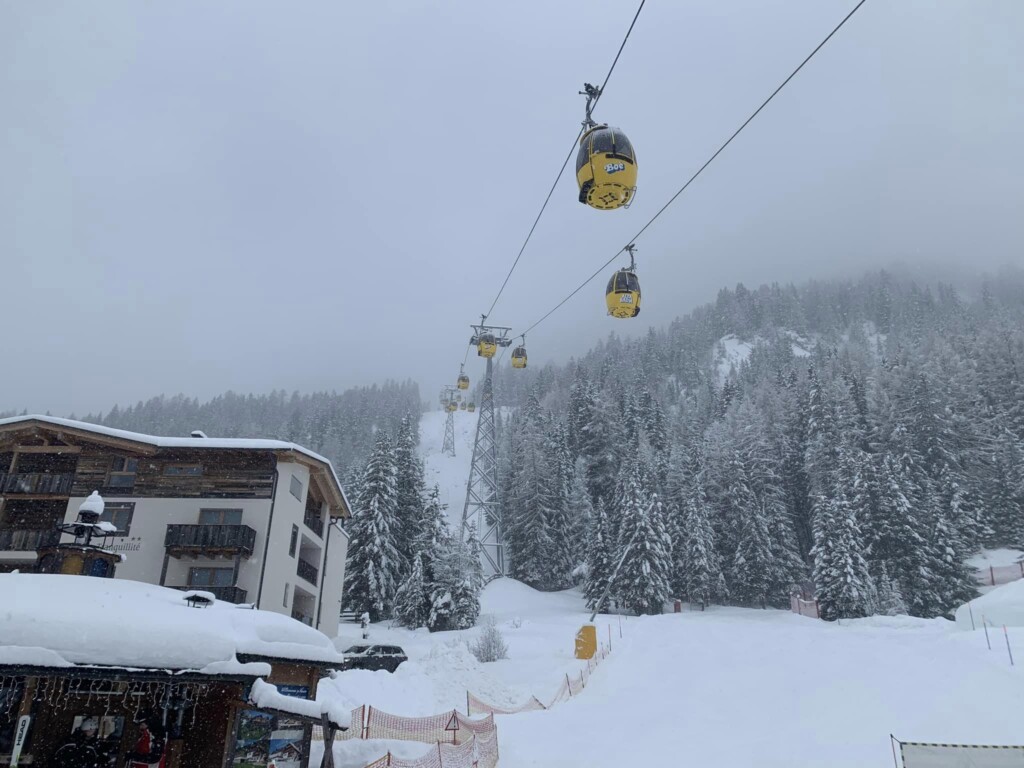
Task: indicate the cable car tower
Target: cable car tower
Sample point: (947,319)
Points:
(482,512)
(447,401)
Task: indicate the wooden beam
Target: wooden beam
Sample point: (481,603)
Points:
(49,449)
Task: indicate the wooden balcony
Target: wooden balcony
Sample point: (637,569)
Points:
(307,571)
(36,483)
(210,540)
(234,595)
(27,539)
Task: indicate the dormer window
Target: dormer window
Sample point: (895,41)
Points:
(122,472)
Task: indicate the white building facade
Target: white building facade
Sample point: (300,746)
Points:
(253,521)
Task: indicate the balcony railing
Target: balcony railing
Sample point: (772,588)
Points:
(308,571)
(37,483)
(28,539)
(314,521)
(210,539)
(234,595)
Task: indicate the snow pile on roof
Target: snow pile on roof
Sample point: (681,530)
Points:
(267,696)
(48,618)
(1002,606)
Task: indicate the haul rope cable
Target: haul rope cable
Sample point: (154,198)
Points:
(561,171)
(701,169)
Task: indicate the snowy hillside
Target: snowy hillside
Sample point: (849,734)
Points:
(727,687)
(449,474)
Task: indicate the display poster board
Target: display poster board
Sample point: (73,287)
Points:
(264,739)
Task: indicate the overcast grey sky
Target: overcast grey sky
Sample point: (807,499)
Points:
(200,196)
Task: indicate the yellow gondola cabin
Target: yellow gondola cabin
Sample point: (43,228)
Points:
(463,381)
(519,357)
(486,345)
(606,168)
(623,294)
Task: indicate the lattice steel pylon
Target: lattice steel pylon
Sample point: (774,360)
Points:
(482,512)
(448,448)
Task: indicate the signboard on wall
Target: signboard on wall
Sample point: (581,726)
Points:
(264,739)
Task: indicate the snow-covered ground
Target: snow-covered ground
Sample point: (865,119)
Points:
(448,473)
(727,687)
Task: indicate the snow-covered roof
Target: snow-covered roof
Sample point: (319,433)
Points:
(197,443)
(55,620)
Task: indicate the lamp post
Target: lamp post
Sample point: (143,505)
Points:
(83,556)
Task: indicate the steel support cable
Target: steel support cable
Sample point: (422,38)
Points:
(700,170)
(565,163)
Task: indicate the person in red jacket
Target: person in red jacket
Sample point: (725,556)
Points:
(149,748)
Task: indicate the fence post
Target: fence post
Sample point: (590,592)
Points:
(468,712)
(984,623)
(817,609)
(971,612)
(1007,636)
(992,575)
(583,683)
(609,636)
(440,756)
(568,684)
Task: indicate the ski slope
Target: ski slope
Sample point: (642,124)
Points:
(739,687)
(730,687)
(449,474)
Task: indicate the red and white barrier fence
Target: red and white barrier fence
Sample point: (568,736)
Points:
(995,575)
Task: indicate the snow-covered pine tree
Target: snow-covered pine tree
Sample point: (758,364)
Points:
(699,560)
(601,559)
(945,582)
(753,561)
(373,559)
(841,575)
(562,558)
(412,601)
(581,520)
(409,491)
(455,589)
(890,598)
(643,581)
(534,500)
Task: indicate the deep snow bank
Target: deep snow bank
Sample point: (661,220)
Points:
(1002,606)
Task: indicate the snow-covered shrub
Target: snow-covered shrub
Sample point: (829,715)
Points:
(490,646)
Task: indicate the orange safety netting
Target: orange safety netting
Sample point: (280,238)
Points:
(355,730)
(571,686)
(478,706)
(478,752)
(460,741)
